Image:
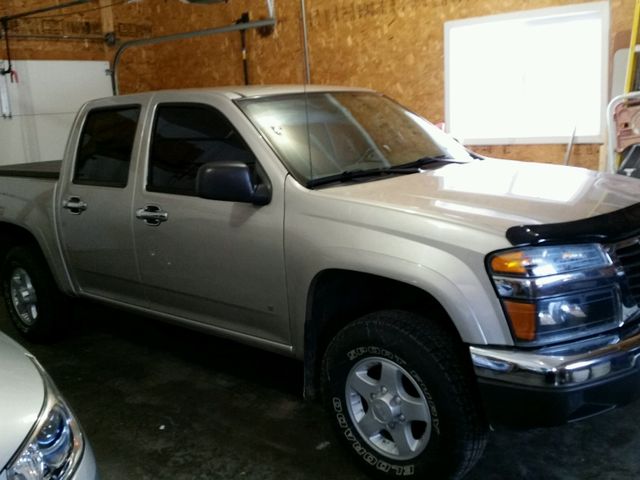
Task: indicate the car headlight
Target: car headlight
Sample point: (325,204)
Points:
(552,293)
(54,447)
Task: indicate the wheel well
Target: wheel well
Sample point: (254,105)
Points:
(11,235)
(338,297)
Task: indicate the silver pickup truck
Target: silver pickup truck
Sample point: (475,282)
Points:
(428,291)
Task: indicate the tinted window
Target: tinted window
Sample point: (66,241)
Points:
(186,137)
(105,147)
(324,134)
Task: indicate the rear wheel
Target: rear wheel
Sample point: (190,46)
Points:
(31,296)
(402,399)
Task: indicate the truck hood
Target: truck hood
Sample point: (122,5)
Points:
(494,195)
(21,397)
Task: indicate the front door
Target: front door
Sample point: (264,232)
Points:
(205,261)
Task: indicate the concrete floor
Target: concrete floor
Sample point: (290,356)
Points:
(162,402)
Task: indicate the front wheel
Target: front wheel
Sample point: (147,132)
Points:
(31,296)
(402,399)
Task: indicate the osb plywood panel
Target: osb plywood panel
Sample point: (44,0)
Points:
(217,60)
(88,20)
(583,155)
(395,46)
(621,19)
(52,24)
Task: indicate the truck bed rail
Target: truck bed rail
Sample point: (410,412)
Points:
(49,169)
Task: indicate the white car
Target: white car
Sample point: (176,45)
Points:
(40,439)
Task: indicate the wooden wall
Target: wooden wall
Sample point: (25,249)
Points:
(47,24)
(395,46)
(216,60)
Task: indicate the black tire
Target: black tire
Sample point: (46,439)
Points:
(429,382)
(39,314)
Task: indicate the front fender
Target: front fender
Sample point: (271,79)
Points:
(324,233)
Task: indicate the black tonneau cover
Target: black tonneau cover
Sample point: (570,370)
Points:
(50,169)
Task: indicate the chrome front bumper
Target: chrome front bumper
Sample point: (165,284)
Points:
(559,384)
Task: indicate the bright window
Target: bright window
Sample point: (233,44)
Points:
(528,77)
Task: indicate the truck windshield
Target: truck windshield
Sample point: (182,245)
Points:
(325,135)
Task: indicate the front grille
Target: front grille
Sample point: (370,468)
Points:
(627,256)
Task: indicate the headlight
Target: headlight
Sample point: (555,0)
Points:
(54,448)
(552,293)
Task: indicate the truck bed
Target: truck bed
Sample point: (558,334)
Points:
(49,169)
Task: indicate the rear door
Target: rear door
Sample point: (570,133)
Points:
(95,216)
(218,263)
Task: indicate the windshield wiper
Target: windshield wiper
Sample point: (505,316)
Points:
(422,161)
(405,168)
(349,175)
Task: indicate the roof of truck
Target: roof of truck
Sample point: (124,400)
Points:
(235,92)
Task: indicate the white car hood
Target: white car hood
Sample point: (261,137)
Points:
(494,195)
(21,397)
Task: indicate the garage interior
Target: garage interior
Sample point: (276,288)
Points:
(162,402)
(395,47)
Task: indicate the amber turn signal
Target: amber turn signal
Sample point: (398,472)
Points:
(510,262)
(523,319)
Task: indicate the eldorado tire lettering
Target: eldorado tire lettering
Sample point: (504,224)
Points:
(342,421)
(356,352)
(435,420)
(367,456)
(370,459)
(360,450)
(337,407)
(373,350)
(349,435)
(398,470)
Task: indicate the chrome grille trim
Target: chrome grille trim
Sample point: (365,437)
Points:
(626,257)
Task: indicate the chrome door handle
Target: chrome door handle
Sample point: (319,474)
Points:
(74,205)
(152,215)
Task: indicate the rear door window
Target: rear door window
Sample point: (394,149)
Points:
(106,143)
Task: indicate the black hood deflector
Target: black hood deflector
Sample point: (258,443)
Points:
(606,228)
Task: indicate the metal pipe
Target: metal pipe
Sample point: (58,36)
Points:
(245,60)
(271,7)
(567,153)
(93,38)
(243,44)
(269,22)
(305,39)
(5,99)
(5,31)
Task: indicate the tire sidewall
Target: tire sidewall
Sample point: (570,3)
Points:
(343,354)
(42,328)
